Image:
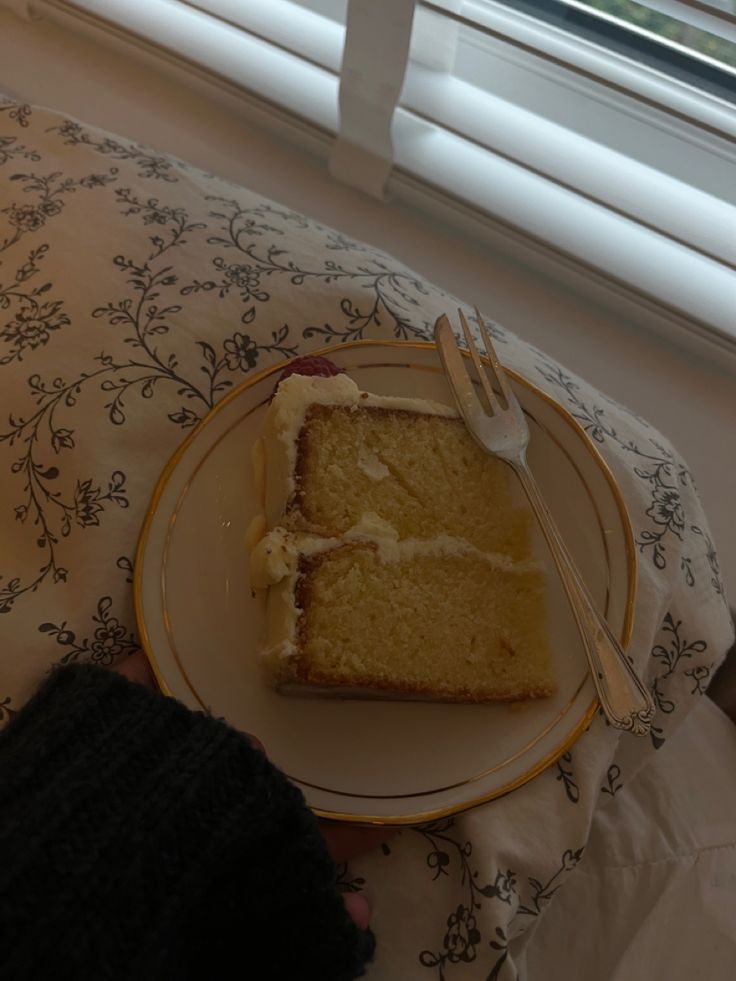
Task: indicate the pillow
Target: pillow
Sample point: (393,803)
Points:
(135,291)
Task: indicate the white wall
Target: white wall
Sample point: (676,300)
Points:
(610,344)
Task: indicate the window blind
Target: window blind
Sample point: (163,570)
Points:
(279,54)
(487,115)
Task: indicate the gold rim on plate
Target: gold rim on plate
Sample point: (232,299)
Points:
(592,451)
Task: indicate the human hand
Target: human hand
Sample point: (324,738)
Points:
(344,841)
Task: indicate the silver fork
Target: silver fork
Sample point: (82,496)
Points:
(504,433)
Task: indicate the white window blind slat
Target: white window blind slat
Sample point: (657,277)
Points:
(579,230)
(193,38)
(287,25)
(594,65)
(641,193)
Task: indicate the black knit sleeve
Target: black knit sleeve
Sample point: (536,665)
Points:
(139,840)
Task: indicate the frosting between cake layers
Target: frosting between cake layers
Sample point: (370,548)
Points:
(275,566)
(276,556)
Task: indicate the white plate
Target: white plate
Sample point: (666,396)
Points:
(380,762)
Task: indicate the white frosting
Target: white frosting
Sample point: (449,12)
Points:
(276,555)
(371,466)
(271,559)
(298,392)
(274,565)
(373,528)
(255,530)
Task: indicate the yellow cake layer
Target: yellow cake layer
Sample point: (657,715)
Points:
(396,561)
(440,626)
(422,474)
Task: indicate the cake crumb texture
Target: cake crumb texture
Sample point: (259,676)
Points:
(427,477)
(451,627)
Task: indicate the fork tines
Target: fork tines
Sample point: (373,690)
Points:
(497,367)
(482,376)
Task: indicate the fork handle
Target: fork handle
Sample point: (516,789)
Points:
(627,703)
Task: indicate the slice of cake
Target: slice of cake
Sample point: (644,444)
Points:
(396,562)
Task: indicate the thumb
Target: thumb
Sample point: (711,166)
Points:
(136,668)
(358,909)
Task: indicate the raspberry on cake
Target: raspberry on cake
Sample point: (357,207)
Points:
(310,364)
(396,562)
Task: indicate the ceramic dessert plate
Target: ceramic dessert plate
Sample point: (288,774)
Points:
(358,760)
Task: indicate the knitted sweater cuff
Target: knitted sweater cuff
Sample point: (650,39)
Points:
(141,840)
